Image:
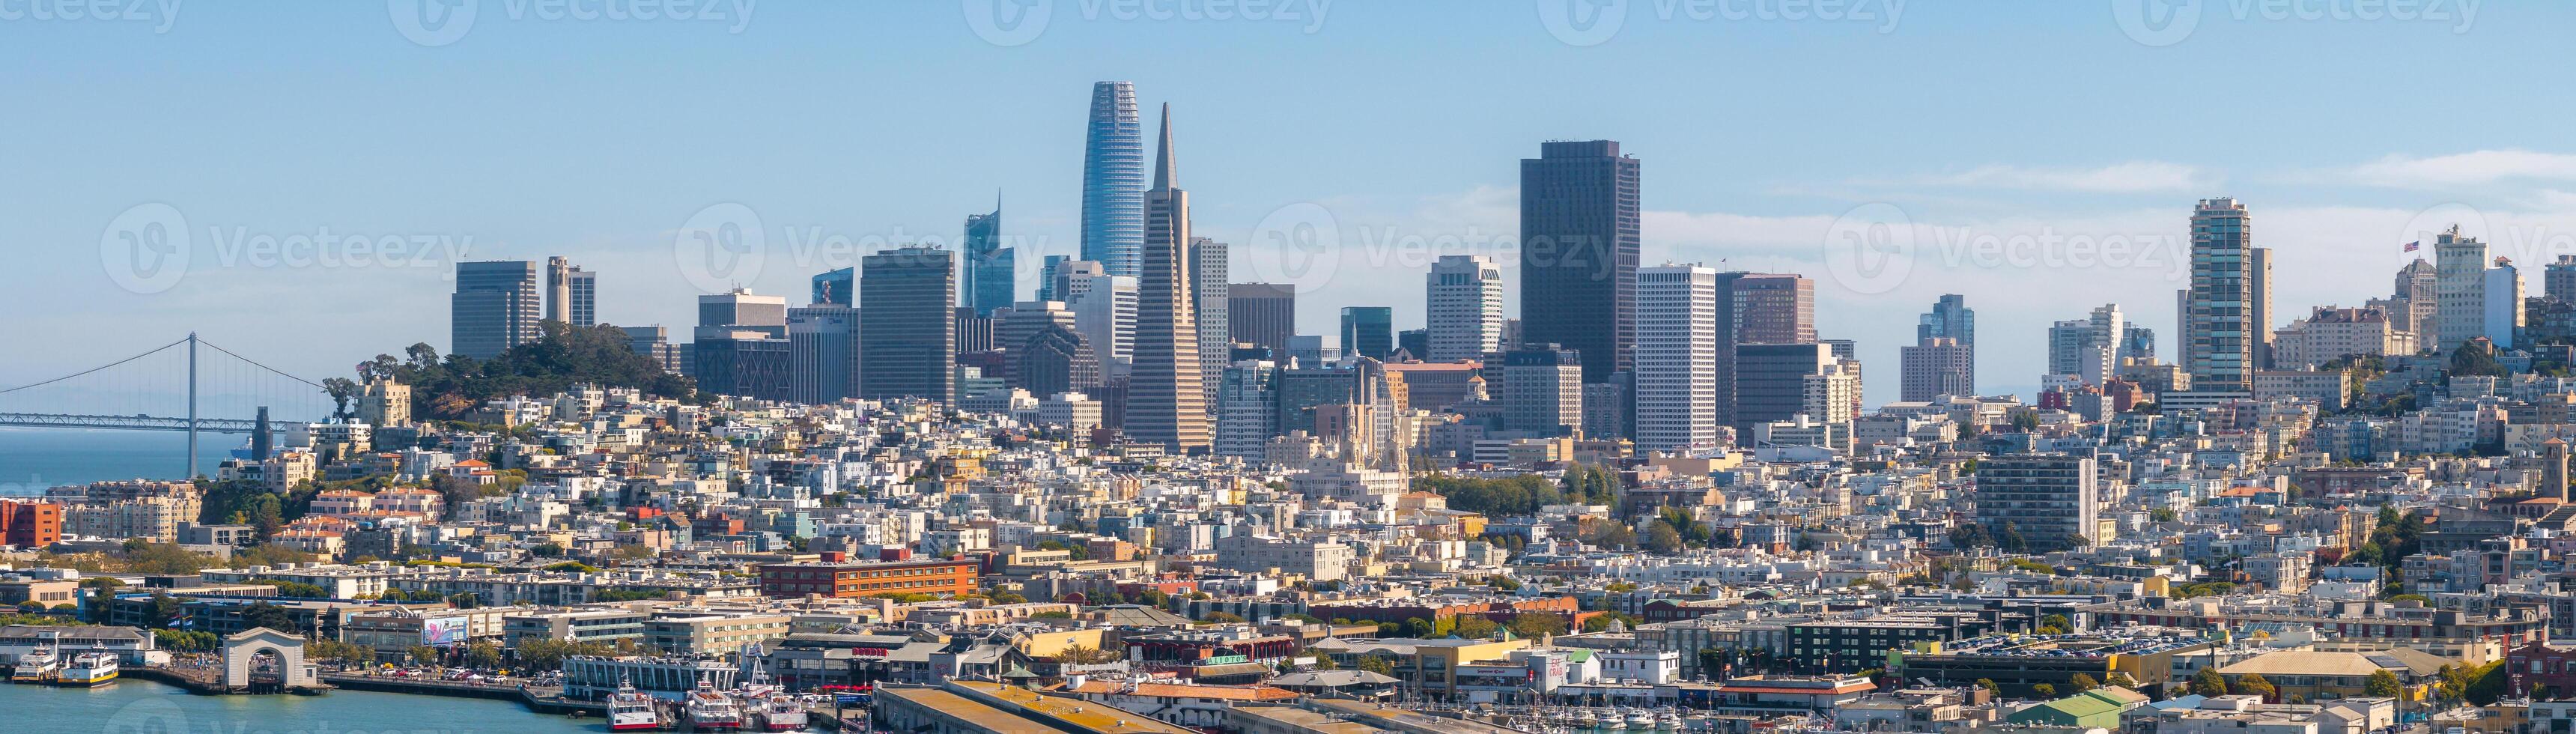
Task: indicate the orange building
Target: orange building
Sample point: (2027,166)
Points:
(30,524)
(850,580)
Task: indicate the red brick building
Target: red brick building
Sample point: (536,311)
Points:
(852,580)
(30,524)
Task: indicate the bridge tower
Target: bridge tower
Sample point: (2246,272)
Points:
(192,405)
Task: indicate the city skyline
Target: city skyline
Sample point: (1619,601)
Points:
(1721,201)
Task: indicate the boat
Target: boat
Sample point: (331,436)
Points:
(88,669)
(708,709)
(37,666)
(778,713)
(629,710)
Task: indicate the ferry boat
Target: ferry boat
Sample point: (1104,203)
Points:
(708,709)
(777,713)
(37,666)
(629,710)
(88,669)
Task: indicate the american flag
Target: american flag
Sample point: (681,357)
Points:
(2415,245)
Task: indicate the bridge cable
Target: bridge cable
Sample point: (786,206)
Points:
(155,350)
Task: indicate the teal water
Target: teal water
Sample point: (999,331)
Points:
(32,459)
(144,707)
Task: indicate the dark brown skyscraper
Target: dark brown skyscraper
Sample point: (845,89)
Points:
(1263,314)
(907,332)
(1579,242)
(1166,392)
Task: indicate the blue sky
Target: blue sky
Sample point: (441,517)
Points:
(1397,125)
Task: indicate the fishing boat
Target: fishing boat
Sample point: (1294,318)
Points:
(708,709)
(88,669)
(630,710)
(37,666)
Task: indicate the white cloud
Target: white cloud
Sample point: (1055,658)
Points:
(2129,177)
(2476,167)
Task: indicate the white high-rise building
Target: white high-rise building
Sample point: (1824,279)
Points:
(1465,314)
(2503,304)
(1104,313)
(2460,288)
(1677,349)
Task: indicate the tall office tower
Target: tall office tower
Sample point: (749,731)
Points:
(2558,279)
(1676,394)
(1774,308)
(836,288)
(1463,308)
(1950,318)
(907,338)
(742,362)
(991,268)
(1609,408)
(1263,314)
(1053,359)
(1303,389)
(1113,180)
(1412,344)
(1511,335)
(2137,342)
(1935,366)
(1368,331)
(1166,391)
(1543,391)
(1246,409)
(2259,269)
(1209,267)
(1013,328)
(2460,265)
(1847,358)
(1579,249)
(1046,277)
(496,307)
(974,333)
(1104,310)
(2504,306)
(2224,334)
(1832,394)
(2419,288)
(2050,500)
(572,294)
(744,309)
(2088,348)
(1771,381)
(822,354)
(654,342)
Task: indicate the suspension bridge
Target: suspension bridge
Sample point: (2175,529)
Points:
(189,385)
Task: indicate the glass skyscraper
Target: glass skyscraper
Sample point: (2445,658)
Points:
(1368,331)
(836,288)
(989,265)
(1113,180)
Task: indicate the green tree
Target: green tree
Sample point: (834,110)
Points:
(1377,664)
(1476,628)
(2382,683)
(424,655)
(2044,690)
(1086,655)
(1662,538)
(2082,682)
(1991,689)
(2208,682)
(1537,625)
(2253,684)
(2121,680)
(264,614)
